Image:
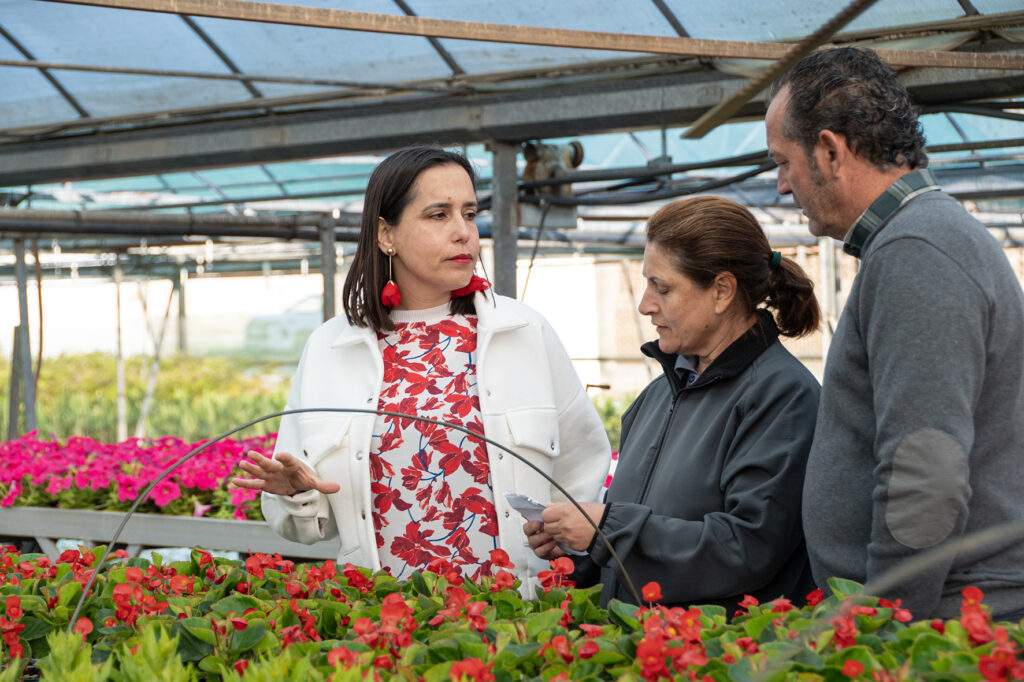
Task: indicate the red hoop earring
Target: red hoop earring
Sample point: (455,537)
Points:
(390,295)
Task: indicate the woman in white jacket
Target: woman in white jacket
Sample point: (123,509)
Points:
(422,335)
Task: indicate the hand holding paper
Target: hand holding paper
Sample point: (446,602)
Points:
(532,510)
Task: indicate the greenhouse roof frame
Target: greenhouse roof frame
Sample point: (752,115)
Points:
(461,103)
(264,109)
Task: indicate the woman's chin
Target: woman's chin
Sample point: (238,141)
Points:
(667,346)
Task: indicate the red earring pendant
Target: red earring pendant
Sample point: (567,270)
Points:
(390,295)
(475,284)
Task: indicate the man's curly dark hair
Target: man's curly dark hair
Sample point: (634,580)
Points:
(852,92)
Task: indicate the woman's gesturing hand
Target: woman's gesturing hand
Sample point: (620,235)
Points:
(282,475)
(564,522)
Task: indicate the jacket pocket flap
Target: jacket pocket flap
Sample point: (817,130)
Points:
(535,428)
(320,434)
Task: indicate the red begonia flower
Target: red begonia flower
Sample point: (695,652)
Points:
(651,591)
(852,668)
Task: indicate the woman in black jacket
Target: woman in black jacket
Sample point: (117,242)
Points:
(706,497)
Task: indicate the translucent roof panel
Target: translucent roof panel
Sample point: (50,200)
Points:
(57,32)
(597,15)
(26,97)
(616,150)
(765,21)
(993,6)
(305,52)
(954,128)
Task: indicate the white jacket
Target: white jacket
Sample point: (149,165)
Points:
(531,401)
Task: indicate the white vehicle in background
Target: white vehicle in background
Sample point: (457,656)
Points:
(283,335)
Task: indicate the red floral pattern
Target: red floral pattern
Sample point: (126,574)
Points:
(431,487)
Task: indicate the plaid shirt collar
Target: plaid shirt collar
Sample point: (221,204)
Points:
(900,192)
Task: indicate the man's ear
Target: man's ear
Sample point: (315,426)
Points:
(724,287)
(385,239)
(833,153)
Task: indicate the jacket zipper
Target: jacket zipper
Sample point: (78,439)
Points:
(657,452)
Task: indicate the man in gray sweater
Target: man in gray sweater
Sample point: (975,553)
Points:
(919,441)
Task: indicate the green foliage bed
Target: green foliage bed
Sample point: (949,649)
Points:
(266,619)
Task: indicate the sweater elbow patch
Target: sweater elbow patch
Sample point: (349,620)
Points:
(927,489)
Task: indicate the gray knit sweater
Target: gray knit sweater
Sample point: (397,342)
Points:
(920,436)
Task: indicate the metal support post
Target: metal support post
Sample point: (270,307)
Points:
(14,390)
(505,223)
(122,401)
(25,348)
(179,286)
(328,264)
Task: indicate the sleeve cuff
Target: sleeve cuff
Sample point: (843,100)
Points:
(301,505)
(600,525)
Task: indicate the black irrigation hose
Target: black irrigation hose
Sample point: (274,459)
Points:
(145,493)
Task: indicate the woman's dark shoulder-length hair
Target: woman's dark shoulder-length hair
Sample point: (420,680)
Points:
(388,192)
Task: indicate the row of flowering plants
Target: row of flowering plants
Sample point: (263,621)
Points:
(82,473)
(267,619)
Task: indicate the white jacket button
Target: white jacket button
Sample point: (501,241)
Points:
(552,445)
(506,515)
(359,454)
(369,400)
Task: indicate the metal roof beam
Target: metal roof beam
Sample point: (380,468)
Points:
(237,77)
(578,109)
(721,112)
(250,10)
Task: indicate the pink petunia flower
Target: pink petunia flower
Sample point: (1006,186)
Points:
(165,492)
(200,509)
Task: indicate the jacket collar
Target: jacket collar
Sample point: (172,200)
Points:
(905,188)
(352,334)
(493,315)
(732,361)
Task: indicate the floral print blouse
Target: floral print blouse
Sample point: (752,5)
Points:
(432,494)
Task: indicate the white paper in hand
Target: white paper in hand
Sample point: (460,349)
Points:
(531,510)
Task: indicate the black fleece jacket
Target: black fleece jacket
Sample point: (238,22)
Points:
(706,496)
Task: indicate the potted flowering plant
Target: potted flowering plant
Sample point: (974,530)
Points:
(50,490)
(267,618)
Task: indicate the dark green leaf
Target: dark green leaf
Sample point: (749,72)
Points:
(68,592)
(754,626)
(542,622)
(444,649)
(438,673)
(418,583)
(190,647)
(35,628)
(236,603)
(242,640)
(845,588)
(213,664)
(927,649)
(621,614)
